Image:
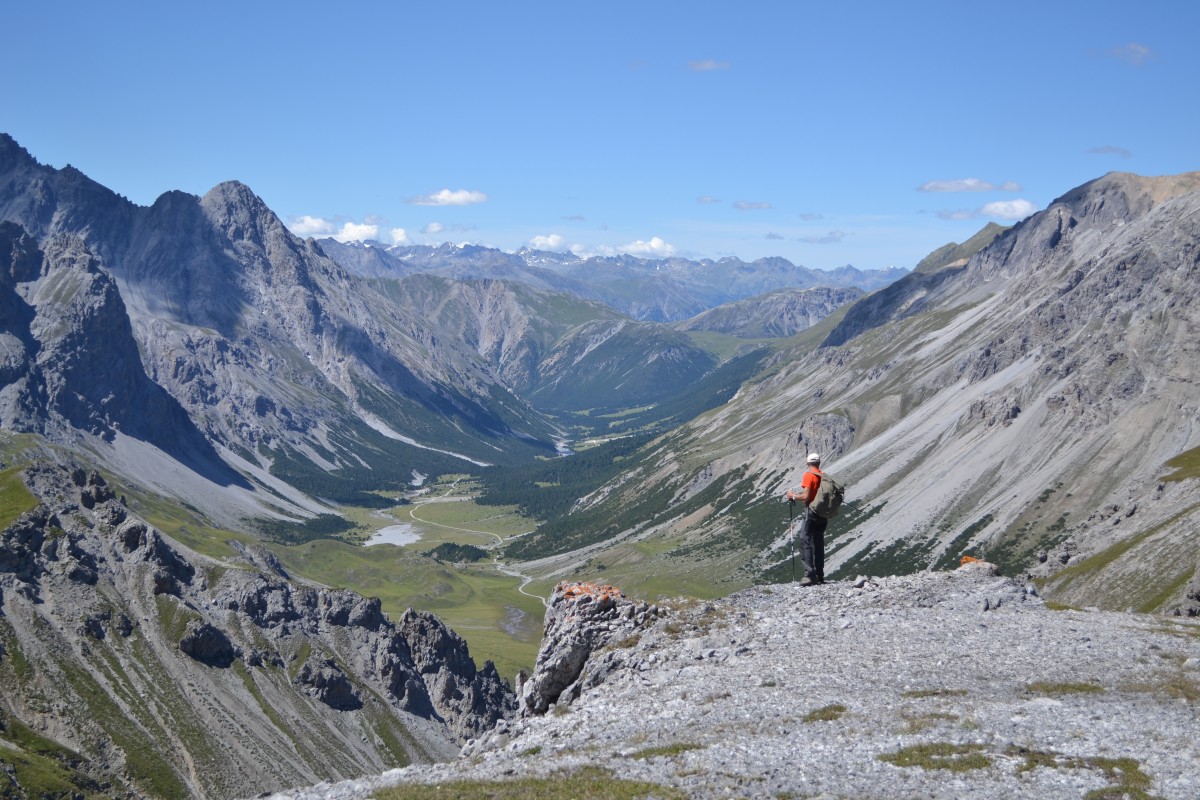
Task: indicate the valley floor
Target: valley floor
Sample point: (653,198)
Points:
(936,685)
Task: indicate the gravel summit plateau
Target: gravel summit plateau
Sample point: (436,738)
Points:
(959,684)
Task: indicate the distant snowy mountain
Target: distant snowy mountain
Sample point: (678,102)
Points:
(657,290)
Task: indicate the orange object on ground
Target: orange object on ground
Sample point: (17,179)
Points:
(597,590)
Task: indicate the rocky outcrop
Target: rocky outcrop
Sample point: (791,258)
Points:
(1191,601)
(207,644)
(258,675)
(581,620)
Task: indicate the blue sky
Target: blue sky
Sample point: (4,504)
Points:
(856,133)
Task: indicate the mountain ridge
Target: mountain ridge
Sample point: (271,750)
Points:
(994,407)
(660,290)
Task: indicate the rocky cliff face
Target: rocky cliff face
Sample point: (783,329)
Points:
(71,361)
(166,674)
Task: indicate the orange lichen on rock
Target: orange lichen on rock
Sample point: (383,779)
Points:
(598,591)
(969,560)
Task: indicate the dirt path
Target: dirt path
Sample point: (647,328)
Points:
(501,566)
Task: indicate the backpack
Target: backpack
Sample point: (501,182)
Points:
(829,497)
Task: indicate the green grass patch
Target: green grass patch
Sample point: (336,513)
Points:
(940,755)
(590,783)
(666,750)
(465,521)
(481,604)
(1054,688)
(1063,578)
(827,713)
(144,764)
(41,766)
(1128,780)
(174,617)
(1186,465)
(182,523)
(1169,589)
(15,498)
(1176,685)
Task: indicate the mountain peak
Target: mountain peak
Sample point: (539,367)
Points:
(11,153)
(1135,194)
(239,213)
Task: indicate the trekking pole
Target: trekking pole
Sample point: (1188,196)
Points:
(791,538)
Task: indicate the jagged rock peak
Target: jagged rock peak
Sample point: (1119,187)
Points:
(239,213)
(12,153)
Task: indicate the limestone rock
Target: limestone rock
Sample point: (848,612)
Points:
(581,618)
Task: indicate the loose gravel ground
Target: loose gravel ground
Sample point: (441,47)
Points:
(938,685)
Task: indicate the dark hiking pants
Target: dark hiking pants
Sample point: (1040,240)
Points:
(812,545)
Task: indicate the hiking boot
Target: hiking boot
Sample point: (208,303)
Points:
(806,581)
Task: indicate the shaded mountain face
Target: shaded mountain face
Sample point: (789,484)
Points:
(560,352)
(1019,403)
(71,361)
(778,314)
(658,290)
(274,351)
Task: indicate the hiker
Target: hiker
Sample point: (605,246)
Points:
(812,527)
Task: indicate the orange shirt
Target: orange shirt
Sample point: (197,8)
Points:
(810,483)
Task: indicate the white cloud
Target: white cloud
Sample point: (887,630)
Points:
(585,252)
(1009,209)
(809,216)
(746,205)
(354,232)
(432,228)
(833,237)
(707,199)
(1110,150)
(446,197)
(773,235)
(311,226)
(969,185)
(708,65)
(958,214)
(553,242)
(655,248)
(1132,53)
(400,236)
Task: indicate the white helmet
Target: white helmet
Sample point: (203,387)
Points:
(814,458)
